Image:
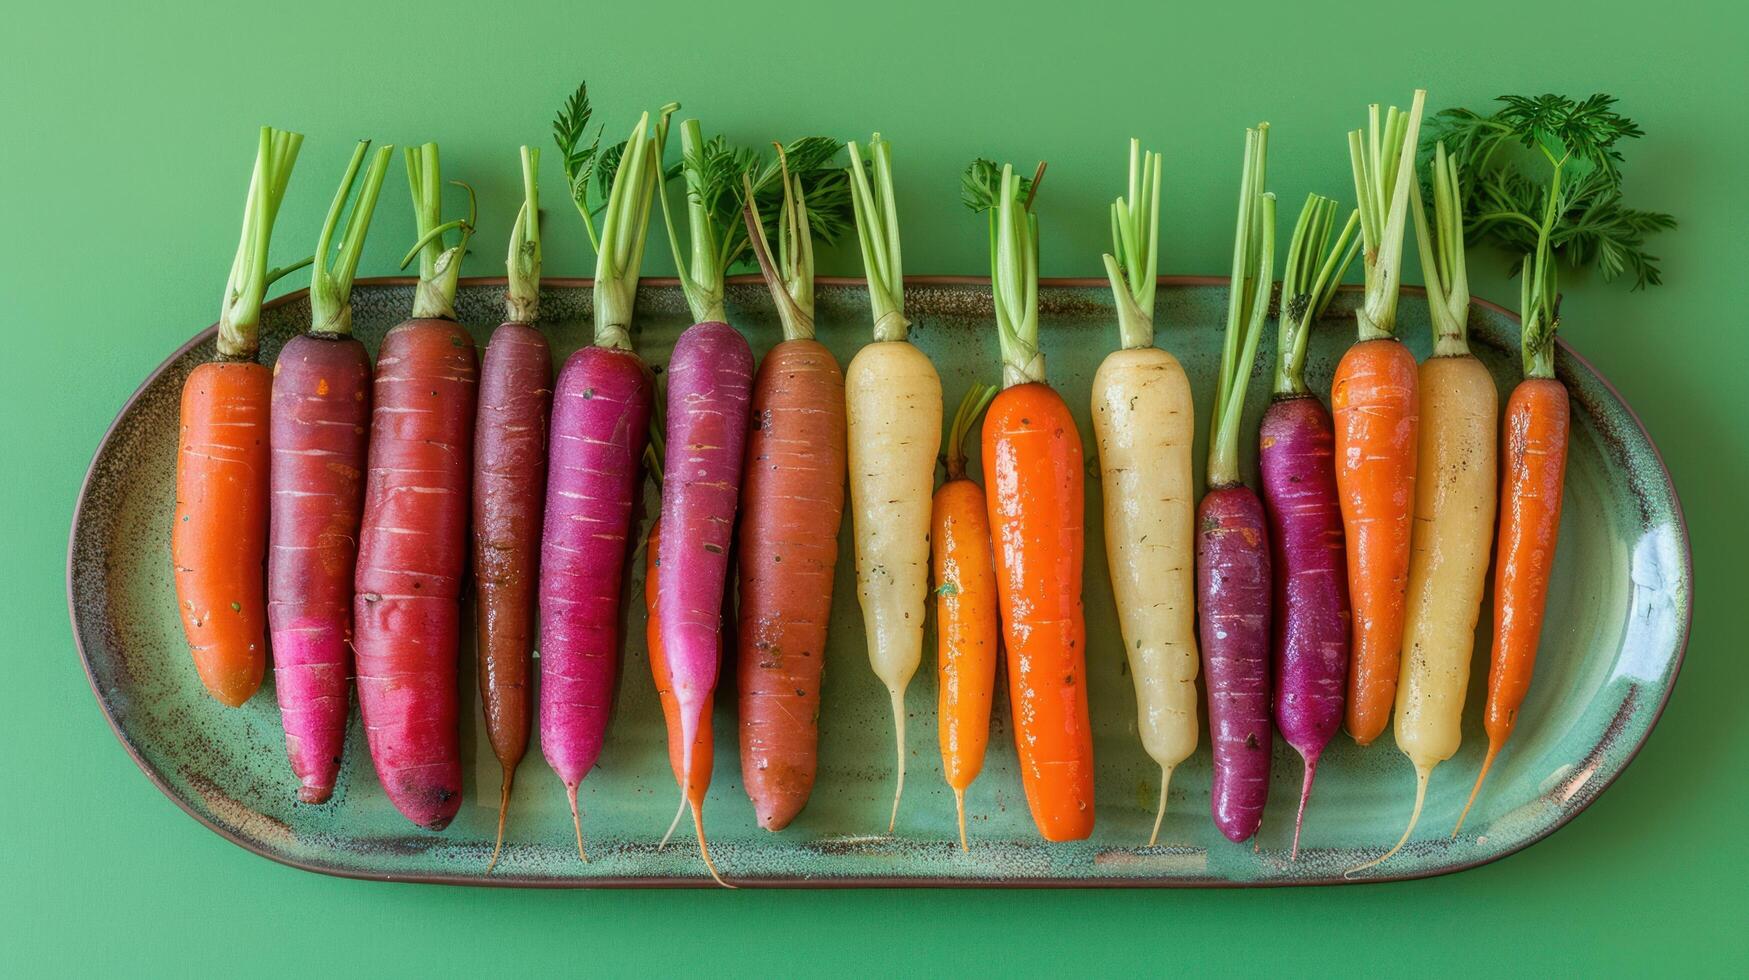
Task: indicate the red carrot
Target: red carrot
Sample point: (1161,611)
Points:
(321,408)
(413,541)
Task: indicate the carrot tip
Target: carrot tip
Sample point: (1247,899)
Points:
(576,821)
(1160,811)
(675,823)
(959,805)
(704,849)
(1414,818)
(503,808)
(1487,763)
(899,737)
(1311,767)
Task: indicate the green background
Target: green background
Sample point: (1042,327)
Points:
(125,139)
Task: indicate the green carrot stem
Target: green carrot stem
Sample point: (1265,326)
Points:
(1441,248)
(877,236)
(522,264)
(331,285)
(790,277)
(1133,263)
(1315,267)
(1014,280)
(624,229)
(439,267)
(240,313)
(1383,159)
(1247,307)
(978,397)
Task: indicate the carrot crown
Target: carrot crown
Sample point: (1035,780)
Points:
(877,236)
(1247,306)
(625,226)
(240,314)
(978,397)
(1383,157)
(1315,267)
(790,277)
(439,267)
(331,286)
(1013,263)
(1132,264)
(1442,257)
(522,265)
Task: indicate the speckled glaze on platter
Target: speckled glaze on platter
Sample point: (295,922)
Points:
(1619,611)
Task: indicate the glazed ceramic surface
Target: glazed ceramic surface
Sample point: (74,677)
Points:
(1619,609)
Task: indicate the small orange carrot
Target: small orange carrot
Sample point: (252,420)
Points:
(1373,399)
(965,610)
(218,540)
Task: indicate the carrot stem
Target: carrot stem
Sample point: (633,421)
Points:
(1383,160)
(1442,257)
(1133,263)
(877,236)
(331,286)
(439,267)
(1315,267)
(240,314)
(977,398)
(1247,307)
(522,294)
(625,228)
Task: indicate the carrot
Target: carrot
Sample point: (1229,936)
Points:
(965,611)
(218,536)
(1571,208)
(602,404)
(1454,502)
(1373,399)
(413,538)
(1144,419)
(510,477)
(788,540)
(893,414)
(1232,539)
(320,411)
(1296,458)
(1032,451)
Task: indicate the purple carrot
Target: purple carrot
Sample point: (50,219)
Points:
(601,423)
(320,415)
(1296,452)
(1232,541)
(510,480)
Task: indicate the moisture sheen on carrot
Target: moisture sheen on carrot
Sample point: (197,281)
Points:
(1297,461)
(320,418)
(413,538)
(1569,137)
(1144,419)
(1032,457)
(892,398)
(602,404)
(1232,538)
(787,548)
(965,611)
(510,478)
(218,535)
(1374,403)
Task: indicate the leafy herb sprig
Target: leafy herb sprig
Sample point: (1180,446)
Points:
(1570,206)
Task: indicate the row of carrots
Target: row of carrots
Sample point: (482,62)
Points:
(1349,589)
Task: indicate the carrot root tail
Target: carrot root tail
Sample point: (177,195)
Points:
(503,808)
(1487,763)
(1421,774)
(704,849)
(1311,766)
(959,805)
(576,820)
(899,741)
(681,812)
(1160,811)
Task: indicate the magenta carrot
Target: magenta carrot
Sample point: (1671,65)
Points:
(510,479)
(601,421)
(413,540)
(1232,541)
(319,419)
(1297,457)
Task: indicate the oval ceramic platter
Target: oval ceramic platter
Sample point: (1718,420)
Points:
(1618,617)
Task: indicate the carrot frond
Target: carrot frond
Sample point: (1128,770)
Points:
(240,314)
(790,276)
(1133,263)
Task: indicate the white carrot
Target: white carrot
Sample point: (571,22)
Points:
(1144,421)
(893,408)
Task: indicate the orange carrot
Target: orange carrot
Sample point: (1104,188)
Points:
(218,540)
(965,611)
(1032,452)
(1373,399)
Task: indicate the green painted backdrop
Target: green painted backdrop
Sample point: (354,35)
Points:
(125,138)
